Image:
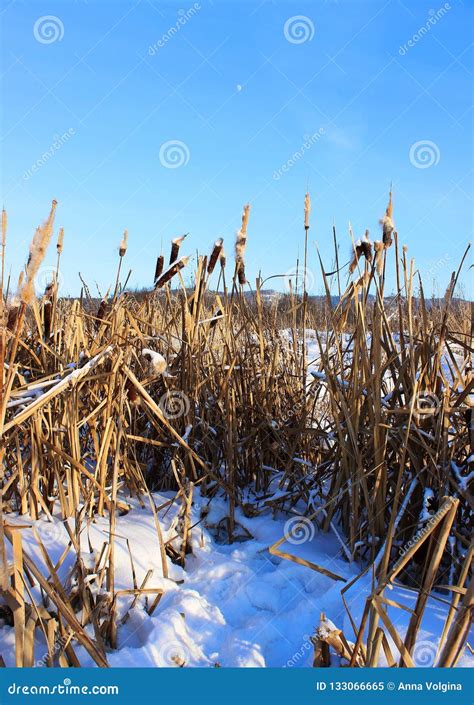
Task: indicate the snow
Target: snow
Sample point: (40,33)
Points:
(234,605)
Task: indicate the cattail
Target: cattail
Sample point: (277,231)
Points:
(175,245)
(222,258)
(47,311)
(160,261)
(38,249)
(132,393)
(240,245)
(379,249)
(387,224)
(217,249)
(157,362)
(362,248)
(12,316)
(102,310)
(123,244)
(59,244)
(307,210)
(171,271)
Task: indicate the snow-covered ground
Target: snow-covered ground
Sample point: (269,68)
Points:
(233,605)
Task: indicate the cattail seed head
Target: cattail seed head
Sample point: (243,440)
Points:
(171,271)
(123,244)
(379,249)
(59,244)
(216,251)
(175,245)
(362,248)
(160,261)
(387,224)
(38,249)
(241,244)
(307,210)
(156,361)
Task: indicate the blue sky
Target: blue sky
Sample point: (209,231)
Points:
(263,99)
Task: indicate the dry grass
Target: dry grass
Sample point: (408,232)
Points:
(376,442)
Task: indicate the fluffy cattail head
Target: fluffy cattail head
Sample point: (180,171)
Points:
(379,249)
(307,210)
(362,248)
(387,224)
(241,244)
(38,249)
(216,251)
(123,244)
(59,244)
(156,361)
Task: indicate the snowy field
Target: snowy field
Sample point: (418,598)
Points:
(233,605)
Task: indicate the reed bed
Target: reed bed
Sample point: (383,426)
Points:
(211,386)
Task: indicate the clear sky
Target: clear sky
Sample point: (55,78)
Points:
(262,98)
